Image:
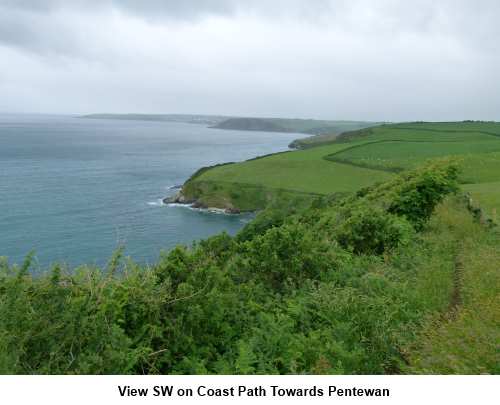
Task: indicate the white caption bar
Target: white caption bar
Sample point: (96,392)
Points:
(309,390)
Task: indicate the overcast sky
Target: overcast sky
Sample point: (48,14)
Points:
(387,60)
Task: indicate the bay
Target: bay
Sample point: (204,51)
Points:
(74,189)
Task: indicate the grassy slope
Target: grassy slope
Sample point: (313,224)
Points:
(426,131)
(404,146)
(357,160)
(464,339)
(304,171)
(481,159)
(251,184)
(328,133)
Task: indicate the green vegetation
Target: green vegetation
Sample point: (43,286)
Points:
(405,146)
(465,339)
(357,159)
(406,154)
(426,131)
(255,183)
(350,284)
(316,140)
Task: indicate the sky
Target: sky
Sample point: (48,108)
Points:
(384,60)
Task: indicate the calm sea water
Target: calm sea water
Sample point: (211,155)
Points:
(74,189)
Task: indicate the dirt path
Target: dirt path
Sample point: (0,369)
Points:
(456,295)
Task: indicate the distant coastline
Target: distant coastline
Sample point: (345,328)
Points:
(186,118)
(317,131)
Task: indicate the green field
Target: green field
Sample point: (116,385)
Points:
(356,160)
(254,183)
(480,159)
(304,171)
(451,131)
(475,145)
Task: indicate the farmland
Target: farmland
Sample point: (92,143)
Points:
(355,160)
(254,183)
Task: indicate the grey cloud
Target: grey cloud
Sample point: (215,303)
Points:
(45,25)
(36,33)
(36,24)
(389,59)
(172,8)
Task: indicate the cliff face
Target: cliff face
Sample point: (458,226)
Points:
(234,198)
(222,204)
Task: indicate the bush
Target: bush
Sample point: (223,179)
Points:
(373,231)
(423,190)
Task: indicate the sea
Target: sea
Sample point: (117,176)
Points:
(73,190)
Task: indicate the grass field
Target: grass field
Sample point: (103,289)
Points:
(358,159)
(404,146)
(254,183)
(304,171)
(480,159)
(445,131)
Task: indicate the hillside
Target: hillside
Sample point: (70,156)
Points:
(355,160)
(329,129)
(251,124)
(396,278)
(256,183)
(322,130)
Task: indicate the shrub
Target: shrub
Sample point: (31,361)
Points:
(373,231)
(423,190)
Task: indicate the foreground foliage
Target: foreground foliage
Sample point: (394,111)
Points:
(347,285)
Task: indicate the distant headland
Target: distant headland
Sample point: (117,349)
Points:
(318,130)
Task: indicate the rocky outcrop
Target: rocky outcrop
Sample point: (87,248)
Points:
(179,198)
